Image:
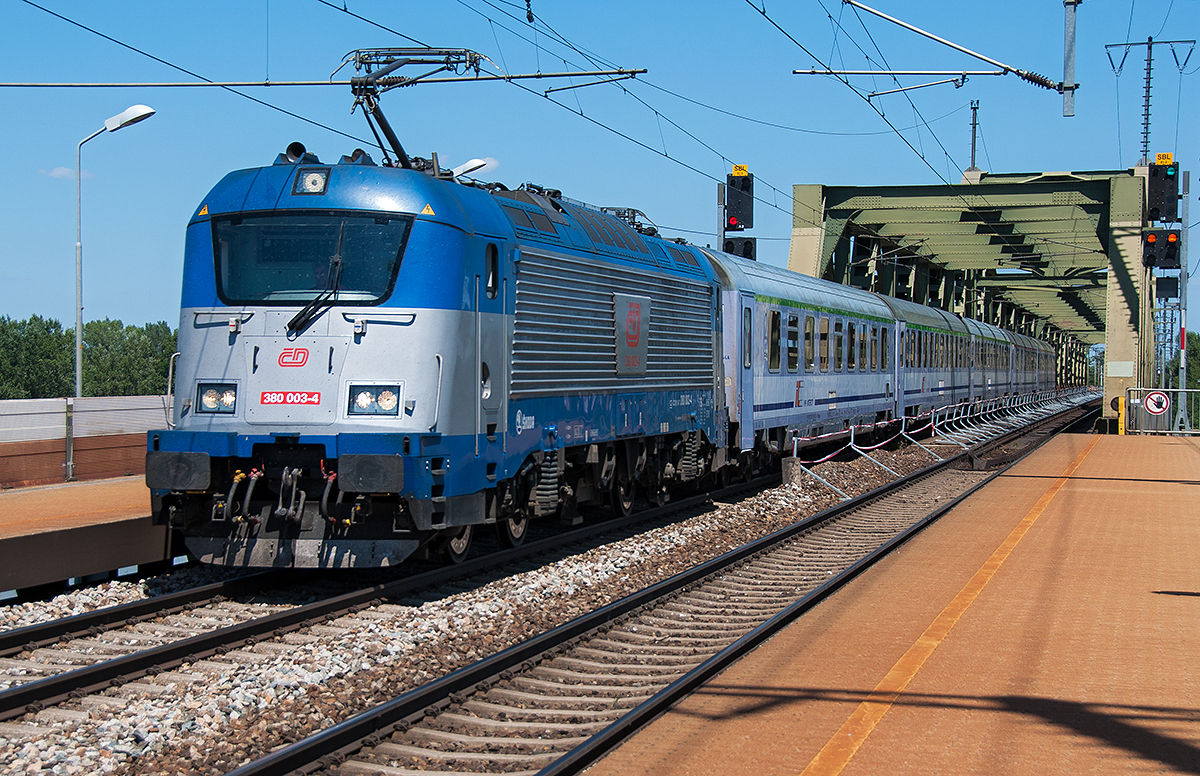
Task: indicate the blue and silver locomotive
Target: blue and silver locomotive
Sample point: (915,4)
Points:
(377,361)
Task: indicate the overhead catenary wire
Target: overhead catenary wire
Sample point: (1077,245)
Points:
(967,205)
(173,66)
(596,60)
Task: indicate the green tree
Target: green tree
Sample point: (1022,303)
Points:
(121,360)
(36,359)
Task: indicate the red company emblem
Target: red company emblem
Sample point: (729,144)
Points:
(633,325)
(293,357)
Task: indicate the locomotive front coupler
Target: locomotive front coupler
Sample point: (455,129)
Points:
(291,491)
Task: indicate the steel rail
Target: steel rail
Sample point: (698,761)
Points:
(584,755)
(328,747)
(36,695)
(43,634)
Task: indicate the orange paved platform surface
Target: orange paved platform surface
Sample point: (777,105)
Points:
(1080,654)
(55,507)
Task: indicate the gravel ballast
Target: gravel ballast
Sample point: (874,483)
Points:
(210,716)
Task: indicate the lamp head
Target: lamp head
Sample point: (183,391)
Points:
(131,115)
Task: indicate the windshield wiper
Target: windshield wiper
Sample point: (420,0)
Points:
(326,298)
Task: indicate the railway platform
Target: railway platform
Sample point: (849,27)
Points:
(53,533)
(1050,624)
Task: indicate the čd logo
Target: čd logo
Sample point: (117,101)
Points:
(293,357)
(633,325)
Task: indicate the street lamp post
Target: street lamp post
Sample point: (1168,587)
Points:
(132,115)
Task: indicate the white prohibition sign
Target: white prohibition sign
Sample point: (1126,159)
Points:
(1156,402)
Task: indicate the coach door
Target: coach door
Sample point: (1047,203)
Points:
(901,368)
(746,383)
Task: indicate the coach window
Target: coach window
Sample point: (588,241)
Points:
(851,346)
(809,345)
(906,348)
(493,270)
(874,348)
(746,313)
(793,343)
(839,346)
(824,344)
(862,349)
(775,335)
(883,349)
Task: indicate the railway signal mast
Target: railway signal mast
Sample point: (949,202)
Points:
(739,213)
(1164,248)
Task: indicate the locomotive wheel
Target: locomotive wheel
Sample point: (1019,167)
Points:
(512,530)
(455,550)
(622,497)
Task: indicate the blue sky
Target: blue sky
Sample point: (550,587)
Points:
(142,183)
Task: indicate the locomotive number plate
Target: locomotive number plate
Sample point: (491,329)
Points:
(290,397)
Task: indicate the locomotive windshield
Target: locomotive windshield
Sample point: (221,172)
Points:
(285,259)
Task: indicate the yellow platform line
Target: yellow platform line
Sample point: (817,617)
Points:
(837,753)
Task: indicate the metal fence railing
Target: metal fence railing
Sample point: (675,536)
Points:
(1162,411)
(48,440)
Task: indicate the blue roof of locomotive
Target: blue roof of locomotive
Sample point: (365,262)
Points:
(363,186)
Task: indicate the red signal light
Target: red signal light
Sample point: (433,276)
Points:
(733,221)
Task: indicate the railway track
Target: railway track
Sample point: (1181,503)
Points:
(555,703)
(131,645)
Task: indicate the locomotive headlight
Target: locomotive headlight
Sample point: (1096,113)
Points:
(311,180)
(374,400)
(387,400)
(216,397)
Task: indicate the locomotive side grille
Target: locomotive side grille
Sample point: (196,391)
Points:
(564,338)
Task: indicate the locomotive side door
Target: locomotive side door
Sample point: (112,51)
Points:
(491,345)
(746,370)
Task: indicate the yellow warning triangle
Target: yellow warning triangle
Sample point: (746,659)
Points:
(427,210)
(203,211)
